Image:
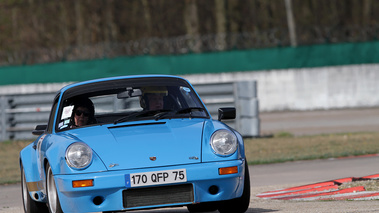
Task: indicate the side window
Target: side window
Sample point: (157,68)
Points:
(50,125)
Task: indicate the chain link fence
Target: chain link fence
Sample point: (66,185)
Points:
(192,44)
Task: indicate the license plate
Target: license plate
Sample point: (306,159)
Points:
(155,178)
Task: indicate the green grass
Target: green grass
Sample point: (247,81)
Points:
(281,147)
(9,161)
(284,147)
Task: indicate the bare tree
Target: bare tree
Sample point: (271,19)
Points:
(291,23)
(79,23)
(191,22)
(147,16)
(64,27)
(220,18)
(367,7)
(14,22)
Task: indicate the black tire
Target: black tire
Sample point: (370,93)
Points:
(30,205)
(53,203)
(241,204)
(202,207)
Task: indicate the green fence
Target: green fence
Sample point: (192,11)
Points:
(214,62)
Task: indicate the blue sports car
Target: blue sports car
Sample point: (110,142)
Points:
(134,142)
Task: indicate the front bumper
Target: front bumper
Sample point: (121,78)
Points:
(106,194)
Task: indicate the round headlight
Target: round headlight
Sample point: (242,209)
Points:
(224,142)
(79,155)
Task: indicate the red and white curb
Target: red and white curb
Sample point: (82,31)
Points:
(325,191)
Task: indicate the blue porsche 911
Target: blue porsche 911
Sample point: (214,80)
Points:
(134,142)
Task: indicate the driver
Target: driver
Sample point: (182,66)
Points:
(83,113)
(153,97)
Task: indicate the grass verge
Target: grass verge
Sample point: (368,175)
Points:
(9,161)
(288,148)
(280,148)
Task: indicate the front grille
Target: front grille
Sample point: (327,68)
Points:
(157,195)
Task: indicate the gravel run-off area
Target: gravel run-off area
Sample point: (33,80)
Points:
(269,205)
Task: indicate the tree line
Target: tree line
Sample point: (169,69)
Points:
(232,24)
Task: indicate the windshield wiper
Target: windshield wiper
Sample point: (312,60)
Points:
(169,113)
(189,110)
(132,115)
(172,113)
(139,114)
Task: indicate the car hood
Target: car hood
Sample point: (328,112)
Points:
(146,144)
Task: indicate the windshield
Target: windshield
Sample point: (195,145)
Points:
(117,102)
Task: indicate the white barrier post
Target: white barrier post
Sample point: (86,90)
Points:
(247,105)
(3,103)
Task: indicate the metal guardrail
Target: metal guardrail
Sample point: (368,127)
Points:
(20,113)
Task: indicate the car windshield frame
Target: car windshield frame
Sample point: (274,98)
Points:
(118,85)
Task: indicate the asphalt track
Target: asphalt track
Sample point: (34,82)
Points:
(278,176)
(320,122)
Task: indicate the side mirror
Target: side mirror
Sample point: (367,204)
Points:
(226,113)
(40,129)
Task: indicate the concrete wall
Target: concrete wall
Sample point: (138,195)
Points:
(294,89)
(311,88)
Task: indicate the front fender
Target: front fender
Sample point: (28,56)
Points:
(35,180)
(241,145)
(208,154)
(28,160)
(55,154)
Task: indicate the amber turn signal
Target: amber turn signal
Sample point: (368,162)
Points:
(82,183)
(228,170)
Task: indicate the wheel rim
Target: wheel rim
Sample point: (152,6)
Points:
(51,191)
(25,192)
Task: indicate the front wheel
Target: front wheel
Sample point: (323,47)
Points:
(30,205)
(241,204)
(52,195)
